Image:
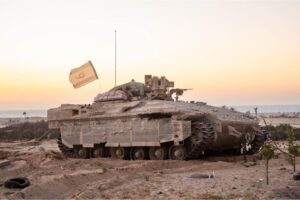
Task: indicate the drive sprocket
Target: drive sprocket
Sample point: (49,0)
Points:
(202,137)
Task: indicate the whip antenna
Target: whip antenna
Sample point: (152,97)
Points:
(115,57)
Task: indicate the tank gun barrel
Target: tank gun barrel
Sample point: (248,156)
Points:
(178,92)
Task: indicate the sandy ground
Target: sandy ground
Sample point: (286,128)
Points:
(54,177)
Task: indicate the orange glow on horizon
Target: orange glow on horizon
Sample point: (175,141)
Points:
(230,53)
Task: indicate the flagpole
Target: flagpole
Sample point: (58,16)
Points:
(115,57)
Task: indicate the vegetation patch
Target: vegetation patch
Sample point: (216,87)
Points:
(26,131)
(280,132)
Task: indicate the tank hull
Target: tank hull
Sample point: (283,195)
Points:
(124,132)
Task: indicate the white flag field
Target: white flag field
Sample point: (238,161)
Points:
(83,75)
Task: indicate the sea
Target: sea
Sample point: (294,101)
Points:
(21,113)
(260,109)
(269,108)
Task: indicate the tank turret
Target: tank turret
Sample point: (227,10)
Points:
(154,88)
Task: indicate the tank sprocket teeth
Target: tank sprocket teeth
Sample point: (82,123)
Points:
(259,140)
(206,132)
(68,152)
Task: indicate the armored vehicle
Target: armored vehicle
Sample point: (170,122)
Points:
(147,121)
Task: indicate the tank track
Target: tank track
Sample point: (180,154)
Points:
(203,134)
(259,140)
(68,152)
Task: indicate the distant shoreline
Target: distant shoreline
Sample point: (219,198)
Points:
(273,114)
(261,109)
(20,113)
(274,119)
(269,108)
(7,121)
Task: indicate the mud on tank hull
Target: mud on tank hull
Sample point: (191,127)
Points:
(127,130)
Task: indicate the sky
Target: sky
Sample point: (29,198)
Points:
(228,52)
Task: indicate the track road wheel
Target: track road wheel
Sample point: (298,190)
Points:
(98,152)
(119,152)
(158,153)
(82,153)
(177,152)
(138,153)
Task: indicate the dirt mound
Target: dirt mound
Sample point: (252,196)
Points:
(4,154)
(40,159)
(54,155)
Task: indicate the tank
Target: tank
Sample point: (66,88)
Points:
(148,121)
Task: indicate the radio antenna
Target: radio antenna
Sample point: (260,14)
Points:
(115,57)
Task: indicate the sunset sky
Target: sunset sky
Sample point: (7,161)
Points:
(229,52)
